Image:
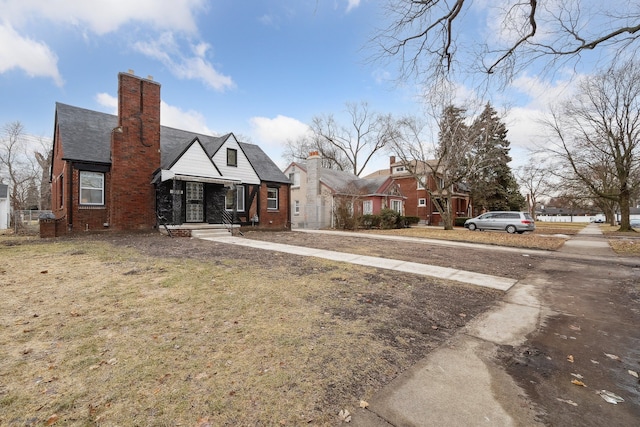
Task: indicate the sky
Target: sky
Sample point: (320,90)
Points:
(260,69)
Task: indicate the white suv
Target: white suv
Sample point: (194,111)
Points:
(511,222)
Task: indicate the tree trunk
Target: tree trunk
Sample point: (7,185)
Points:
(625,224)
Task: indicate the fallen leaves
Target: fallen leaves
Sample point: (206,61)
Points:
(578,382)
(364,404)
(610,397)
(570,358)
(344,415)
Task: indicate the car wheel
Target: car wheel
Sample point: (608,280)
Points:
(472,226)
(511,229)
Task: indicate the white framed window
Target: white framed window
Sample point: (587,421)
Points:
(421,182)
(294,177)
(296,207)
(422,202)
(396,205)
(367,207)
(91,188)
(399,169)
(237,196)
(272,198)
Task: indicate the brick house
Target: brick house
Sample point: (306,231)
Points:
(127,172)
(317,192)
(418,201)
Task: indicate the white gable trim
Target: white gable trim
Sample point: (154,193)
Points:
(195,162)
(243,172)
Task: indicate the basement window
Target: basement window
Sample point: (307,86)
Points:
(91,188)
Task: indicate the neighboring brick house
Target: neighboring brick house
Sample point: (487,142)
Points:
(125,172)
(418,202)
(316,193)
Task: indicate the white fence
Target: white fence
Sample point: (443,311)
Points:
(576,218)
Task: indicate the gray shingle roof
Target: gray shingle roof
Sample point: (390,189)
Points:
(86,134)
(86,137)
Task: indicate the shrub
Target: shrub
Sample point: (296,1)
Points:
(411,220)
(390,219)
(369,221)
(459,221)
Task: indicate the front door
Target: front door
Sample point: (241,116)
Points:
(194,195)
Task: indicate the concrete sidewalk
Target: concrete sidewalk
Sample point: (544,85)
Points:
(478,279)
(459,384)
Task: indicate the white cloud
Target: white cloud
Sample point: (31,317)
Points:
(190,120)
(105,16)
(168,51)
(169,115)
(352,4)
(108,101)
(34,58)
(275,132)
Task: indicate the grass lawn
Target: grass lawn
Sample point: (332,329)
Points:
(548,236)
(98,334)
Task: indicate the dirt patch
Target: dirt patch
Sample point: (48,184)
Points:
(122,329)
(486,261)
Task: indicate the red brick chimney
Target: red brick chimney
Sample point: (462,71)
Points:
(135,154)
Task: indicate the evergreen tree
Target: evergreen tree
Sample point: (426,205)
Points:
(492,183)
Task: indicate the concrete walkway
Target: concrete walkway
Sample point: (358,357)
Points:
(478,279)
(459,384)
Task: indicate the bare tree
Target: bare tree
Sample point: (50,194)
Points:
(298,150)
(44,156)
(438,167)
(356,143)
(16,164)
(535,178)
(596,134)
(432,38)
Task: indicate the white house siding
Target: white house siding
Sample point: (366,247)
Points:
(243,172)
(195,162)
(4,207)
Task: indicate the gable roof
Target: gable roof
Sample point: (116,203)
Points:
(86,136)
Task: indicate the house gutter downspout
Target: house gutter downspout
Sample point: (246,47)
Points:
(70,196)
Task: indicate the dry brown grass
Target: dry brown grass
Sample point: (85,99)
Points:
(94,334)
(546,237)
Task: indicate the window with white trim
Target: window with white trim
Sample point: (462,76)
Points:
(236,196)
(396,205)
(91,188)
(296,207)
(367,207)
(421,182)
(272,198)
(294,177)
(422,202)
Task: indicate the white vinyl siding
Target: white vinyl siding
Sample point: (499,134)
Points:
(195,162)
(243,172)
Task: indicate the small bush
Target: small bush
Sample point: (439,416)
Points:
(390,219)
(411,220)
(369,221)
(459,221)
